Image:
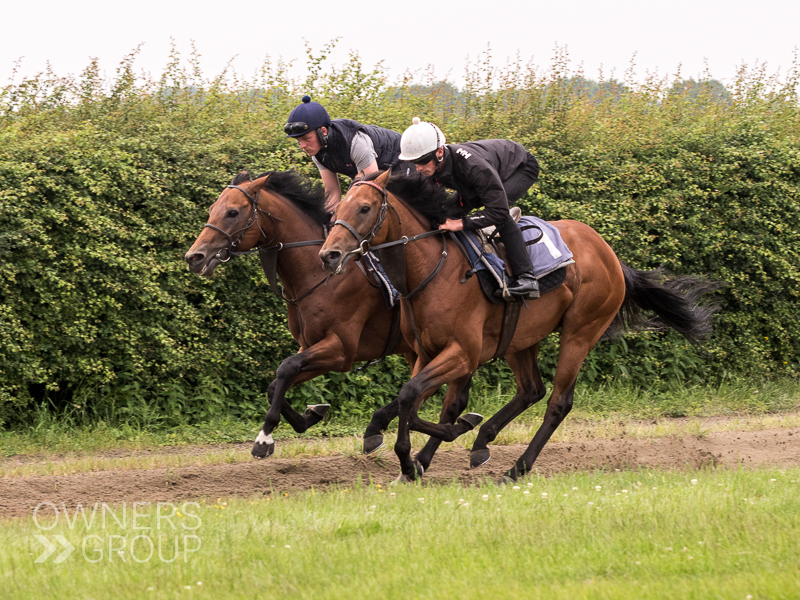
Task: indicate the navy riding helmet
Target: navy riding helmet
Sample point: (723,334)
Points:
(308,116)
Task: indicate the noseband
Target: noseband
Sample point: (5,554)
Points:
(230,250)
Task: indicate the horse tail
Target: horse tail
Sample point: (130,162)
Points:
(674,300)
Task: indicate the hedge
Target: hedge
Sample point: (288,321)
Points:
(105,184)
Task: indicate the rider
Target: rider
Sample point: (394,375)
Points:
(488,173)
(340,146)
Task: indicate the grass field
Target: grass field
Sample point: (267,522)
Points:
(633,534)
(647,534)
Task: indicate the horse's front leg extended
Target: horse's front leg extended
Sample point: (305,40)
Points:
(324,357)
(454,404)
(450,365)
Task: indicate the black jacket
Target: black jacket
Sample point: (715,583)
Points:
(477,170)
(336,155)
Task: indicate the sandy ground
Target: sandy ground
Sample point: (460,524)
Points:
(726,449)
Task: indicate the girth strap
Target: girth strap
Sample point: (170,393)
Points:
(509,327)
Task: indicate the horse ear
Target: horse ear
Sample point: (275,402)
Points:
(383,178)
(242,177)
(260,182)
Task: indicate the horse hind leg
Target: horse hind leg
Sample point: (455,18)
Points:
(530,389)
(574,348)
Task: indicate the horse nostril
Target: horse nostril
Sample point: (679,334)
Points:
(197,257)
(333,256)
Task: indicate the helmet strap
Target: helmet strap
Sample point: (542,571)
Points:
(322,137)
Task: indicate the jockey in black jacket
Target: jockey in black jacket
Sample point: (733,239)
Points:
(489,173)
(340,146)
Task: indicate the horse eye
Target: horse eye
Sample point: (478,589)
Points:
(365,209)
(232,213)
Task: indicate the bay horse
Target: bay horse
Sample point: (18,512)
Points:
(336,322)
(450,322)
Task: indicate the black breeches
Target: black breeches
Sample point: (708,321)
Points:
(521,180)
(516,251)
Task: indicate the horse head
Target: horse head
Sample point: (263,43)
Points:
(233,225)
(359,222)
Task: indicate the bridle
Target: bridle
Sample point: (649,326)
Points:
(364,242)
(230,249)
(364,246)
(262,249)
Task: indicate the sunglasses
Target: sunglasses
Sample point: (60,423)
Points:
(296,128)
(425,158)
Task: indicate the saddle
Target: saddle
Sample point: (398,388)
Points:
(549,256)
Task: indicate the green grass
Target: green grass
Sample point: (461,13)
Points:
(55,435)
(646,534)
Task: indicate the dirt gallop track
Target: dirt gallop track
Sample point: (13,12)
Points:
(750,449)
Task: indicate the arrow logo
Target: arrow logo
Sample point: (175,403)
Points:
(49,548)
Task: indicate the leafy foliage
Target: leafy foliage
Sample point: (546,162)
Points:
(105,185)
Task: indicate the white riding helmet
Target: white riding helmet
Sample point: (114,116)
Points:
(420,139)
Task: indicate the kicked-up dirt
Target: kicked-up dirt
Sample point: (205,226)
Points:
(726,449)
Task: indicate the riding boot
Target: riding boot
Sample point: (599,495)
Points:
(524,285)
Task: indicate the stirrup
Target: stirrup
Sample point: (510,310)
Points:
(528,287)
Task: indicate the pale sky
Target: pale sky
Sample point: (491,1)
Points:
(597,33)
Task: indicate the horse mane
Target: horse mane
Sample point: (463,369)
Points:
(420,193)
(305,194)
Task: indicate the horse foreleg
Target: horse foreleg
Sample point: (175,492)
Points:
(454,404)
(450,365)
(530,389)
(381,418)
(324,357)
(447,430)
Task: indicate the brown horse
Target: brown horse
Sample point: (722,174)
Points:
(282,215)
(450,321)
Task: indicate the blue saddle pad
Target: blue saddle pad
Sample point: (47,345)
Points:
(549,252)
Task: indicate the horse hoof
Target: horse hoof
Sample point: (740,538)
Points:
(317,409)
(264,446)
(419,471)
(478,458)
(373,443)
(261,450)
(506,480)
(471,419)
